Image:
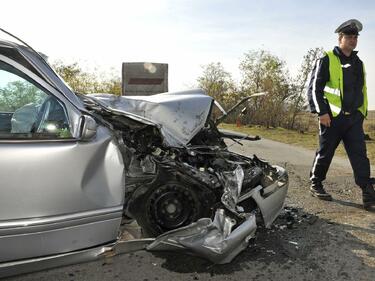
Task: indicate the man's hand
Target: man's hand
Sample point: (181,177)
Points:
(325,120)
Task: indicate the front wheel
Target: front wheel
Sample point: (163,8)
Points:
(168,207)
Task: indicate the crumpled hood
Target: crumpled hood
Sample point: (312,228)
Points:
(179,115)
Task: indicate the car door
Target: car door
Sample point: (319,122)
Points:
(59,192)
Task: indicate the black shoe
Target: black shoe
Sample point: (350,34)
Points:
(317,190)
(368,197)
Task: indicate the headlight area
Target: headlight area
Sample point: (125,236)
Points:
(272,183)
(268,192)
(269,195)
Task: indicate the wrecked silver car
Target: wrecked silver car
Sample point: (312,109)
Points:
(74,168)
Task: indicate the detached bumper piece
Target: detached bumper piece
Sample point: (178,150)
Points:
(214,240)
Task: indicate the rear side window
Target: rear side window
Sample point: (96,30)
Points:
(28,111)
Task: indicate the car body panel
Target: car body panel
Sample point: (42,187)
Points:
(34,188)
(40,263)
(59,177)
(62,239)
(57,195)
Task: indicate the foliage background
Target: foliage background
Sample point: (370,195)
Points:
(262,71)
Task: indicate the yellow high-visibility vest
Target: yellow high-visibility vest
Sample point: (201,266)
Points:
(334,88)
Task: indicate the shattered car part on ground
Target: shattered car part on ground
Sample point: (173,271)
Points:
(215,240)
(76,167)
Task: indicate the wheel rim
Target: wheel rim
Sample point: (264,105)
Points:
(172,206)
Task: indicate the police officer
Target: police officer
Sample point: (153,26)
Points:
(337,93)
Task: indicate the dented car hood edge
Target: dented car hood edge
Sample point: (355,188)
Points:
(178,115)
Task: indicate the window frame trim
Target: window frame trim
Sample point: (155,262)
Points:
(48,90)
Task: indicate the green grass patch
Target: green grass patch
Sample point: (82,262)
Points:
(303,139)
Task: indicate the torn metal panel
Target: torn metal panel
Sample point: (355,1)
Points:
(231,110)
(214,240)
(237,136)
(134,245)
(232,187)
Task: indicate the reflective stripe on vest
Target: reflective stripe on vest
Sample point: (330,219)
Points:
(332,91)
(334,109)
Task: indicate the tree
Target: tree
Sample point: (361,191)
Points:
(84,82)
(217,83)
(299,84)
(261,71)
(19,93)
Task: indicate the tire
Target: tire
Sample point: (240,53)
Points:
(168,207)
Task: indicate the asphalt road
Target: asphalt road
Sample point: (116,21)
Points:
(312,239)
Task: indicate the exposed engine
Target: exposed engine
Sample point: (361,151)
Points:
(170,187)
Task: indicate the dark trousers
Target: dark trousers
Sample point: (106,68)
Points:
(349,129)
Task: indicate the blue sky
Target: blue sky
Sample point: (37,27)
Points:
(186,34)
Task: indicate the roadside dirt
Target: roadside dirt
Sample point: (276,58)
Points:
(311,240)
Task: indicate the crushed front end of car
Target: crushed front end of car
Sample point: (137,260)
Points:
(183,185)
(159,160)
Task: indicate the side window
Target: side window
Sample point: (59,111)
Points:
(27,111)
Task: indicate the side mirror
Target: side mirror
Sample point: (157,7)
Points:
(89,128)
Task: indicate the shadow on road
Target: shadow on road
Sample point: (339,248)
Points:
(348,204)
(310,243)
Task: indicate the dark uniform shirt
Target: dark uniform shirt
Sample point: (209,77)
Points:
(353,77)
